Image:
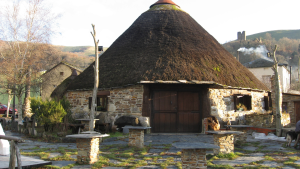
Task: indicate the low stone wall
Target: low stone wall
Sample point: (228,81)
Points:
(266,120)
(260,120)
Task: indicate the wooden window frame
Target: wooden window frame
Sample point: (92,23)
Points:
(103,102)
(282,106)
(244,99)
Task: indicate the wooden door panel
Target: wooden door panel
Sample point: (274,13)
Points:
(188,112)
(297,110)
(165,108)
(165,122)
(165,101)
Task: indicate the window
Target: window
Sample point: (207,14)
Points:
(61,73)
(101,103)
(284,107)
(267,103)
(242,102)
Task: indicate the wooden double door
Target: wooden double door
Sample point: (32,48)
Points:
(175,112)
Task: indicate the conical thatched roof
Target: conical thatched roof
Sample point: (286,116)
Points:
(166,43)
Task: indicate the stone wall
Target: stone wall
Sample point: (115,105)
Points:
(222,104)
(126,100)
(289,98)
(122,101)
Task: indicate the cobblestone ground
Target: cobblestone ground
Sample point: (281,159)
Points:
(159,153)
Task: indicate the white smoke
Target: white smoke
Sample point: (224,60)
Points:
(261,51)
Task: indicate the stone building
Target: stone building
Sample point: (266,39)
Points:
(241,36)
(55,76)
(166,67)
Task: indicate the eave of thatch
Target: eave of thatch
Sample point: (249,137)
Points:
(167,45)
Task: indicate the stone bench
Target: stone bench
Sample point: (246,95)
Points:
(194,154)
(136,135)
(225,140)
(241,128)
(87,146)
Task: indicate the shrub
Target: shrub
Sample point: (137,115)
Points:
(47,112)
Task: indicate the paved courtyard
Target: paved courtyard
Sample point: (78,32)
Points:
(159,153)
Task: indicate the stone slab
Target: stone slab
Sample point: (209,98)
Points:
(62,163)
(87,135)
(82,167)
(195,145)
(239,160)
(26,162)
(271,164)
(225,132)
(136,127)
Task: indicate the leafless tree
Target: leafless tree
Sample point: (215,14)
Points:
(25,27)
(96,82)
(278,95)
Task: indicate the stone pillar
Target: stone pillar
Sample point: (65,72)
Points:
(193,158)
(88,150)
(225,141)
(136,138)
(240,137)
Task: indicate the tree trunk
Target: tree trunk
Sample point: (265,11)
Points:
(27,95)
(8,102)
(96,82)
(278,97)
(20,111)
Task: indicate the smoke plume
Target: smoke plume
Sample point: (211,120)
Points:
(261,51)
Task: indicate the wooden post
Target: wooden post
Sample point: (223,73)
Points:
(12,159)
(18,156)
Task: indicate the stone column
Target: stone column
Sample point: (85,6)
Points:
(136,138)
(88,150)
(225,141)
(193,158)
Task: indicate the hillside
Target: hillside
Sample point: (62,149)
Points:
(277,34)
(85,50)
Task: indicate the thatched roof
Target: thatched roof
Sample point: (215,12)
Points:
(166,43)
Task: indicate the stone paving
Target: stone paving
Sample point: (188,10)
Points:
(256,153)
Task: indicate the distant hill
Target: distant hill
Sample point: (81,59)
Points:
(277,34)
(85,50)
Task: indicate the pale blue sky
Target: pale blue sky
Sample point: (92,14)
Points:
(221,18)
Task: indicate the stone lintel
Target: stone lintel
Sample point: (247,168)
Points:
(87,135)
(136,127)
(224,132)
(195,145)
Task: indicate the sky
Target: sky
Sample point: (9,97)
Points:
(221,18)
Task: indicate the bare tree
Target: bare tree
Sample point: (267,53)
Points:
(96,82)
(25,29)
(278,96)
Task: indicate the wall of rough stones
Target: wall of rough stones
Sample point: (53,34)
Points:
(290,99)
(122,101)
(222,104)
